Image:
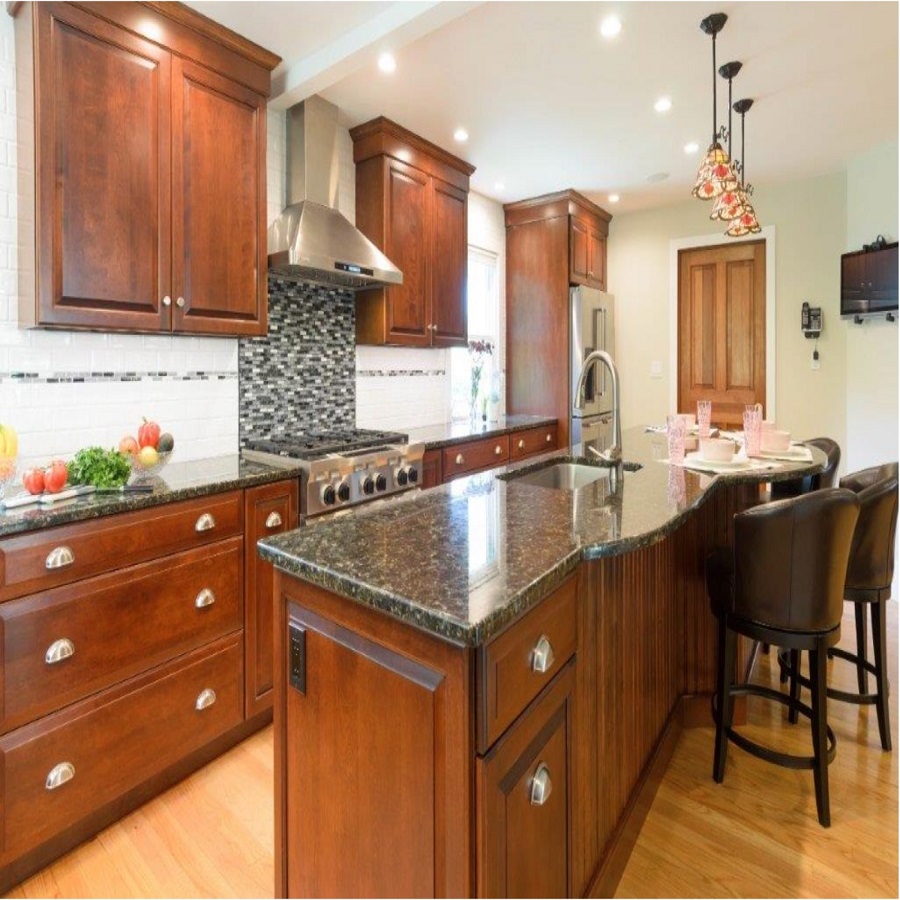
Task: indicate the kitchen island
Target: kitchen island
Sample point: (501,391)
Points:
(478,687)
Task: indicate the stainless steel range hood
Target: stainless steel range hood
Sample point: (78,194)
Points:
(311,240)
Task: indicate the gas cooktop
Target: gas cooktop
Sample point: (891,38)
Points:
(316,444)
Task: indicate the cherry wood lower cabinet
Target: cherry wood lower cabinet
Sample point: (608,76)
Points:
(406,765)
(145,654)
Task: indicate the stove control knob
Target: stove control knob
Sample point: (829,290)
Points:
(328,495)
(381,483)
(401,477)
(368,485)
(343,492)
(413,474)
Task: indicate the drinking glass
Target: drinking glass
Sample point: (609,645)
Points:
(675,435)
(704,416)
(752,429)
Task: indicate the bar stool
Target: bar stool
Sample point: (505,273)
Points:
(783,583)
(869,578)
(824,479)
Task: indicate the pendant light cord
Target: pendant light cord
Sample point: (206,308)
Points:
(743,156)
(715,121)
(729,120)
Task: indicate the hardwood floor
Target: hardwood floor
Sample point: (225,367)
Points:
(754,835)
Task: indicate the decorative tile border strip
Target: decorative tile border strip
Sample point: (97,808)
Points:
(93,377)
(394,373)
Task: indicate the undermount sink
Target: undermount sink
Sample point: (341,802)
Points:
(566,476)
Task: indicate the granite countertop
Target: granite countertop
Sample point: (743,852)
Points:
(448,433)
(463,560)
(177,481)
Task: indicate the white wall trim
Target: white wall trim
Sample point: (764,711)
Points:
(715,240)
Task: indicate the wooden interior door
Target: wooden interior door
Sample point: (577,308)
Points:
(103,179)
(219,197)
(450,255)
(722,329)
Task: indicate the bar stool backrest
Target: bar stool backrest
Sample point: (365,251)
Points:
(872,553)
(790,560)
(827,477)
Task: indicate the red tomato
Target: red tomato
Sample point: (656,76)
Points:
(33,480)
(128,445)
(55,476)
(148,434)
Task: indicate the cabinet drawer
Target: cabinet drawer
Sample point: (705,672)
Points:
(532,442)
(109,628)
(515,666)
(475,455)
(58,770)
(43,559)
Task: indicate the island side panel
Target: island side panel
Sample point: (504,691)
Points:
(377,685)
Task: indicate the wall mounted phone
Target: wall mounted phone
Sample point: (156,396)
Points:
(811,320)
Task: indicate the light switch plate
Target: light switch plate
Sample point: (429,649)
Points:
(656,369)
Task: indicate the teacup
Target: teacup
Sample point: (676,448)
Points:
(775,441)
(716,449)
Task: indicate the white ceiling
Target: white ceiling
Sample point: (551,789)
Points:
(549,103)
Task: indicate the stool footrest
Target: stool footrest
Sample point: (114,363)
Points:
(834,693)
(788,760)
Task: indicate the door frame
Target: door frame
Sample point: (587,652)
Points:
(717,240)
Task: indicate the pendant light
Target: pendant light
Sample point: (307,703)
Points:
(745,221)
(715,175)
(730,196)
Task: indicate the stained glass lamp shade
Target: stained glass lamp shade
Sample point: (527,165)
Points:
(716,175)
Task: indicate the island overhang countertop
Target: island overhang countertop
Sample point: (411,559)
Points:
(464,560)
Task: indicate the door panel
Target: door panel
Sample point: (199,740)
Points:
(597,263)
(450,266)
(219,251)
(578,252)
(104,178)
(722,329)
(406,246)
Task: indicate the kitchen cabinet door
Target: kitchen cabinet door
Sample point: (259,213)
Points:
(431,469)
(579,252)
(218,204)
(268,509)
(103,192)
(597,259)
(407,245)
(450,266)
(523,797)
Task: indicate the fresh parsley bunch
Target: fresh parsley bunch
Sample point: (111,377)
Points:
(99,467)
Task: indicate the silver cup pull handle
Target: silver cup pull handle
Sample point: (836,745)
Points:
(205,598)
(460,459)
(206,522)
(205,699)
(498,450)
(59,775)
(58,651)
(542,656)
(541,786)
(59,558)
(521,443)
(273,520)
(549,438)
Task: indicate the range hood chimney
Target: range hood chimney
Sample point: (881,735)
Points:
(311,240)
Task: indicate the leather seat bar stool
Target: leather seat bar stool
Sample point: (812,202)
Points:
(783,583)
(824,479)
(869,577)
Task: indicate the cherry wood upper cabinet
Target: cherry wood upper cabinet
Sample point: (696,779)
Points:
(411,202)
(147,209)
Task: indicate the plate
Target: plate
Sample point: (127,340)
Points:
(736,462)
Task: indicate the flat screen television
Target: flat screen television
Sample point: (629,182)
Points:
(869,281)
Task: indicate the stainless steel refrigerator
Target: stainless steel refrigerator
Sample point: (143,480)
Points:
(592,327)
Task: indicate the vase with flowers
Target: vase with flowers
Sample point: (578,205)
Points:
(479,353)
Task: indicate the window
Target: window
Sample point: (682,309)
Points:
(483,300)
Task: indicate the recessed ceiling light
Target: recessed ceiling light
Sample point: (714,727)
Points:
(610,26)
(657,176)
(499,186)
(387,63)
(461,135)
(613,198)
(664,104)
(691,147)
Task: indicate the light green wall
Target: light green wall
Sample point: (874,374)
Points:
(810,223)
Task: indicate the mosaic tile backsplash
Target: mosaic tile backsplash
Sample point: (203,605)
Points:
(302,376)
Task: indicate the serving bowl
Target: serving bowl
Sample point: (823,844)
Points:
(139,471)
(775,441)
(717,449)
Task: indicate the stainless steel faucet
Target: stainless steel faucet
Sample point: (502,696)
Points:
(614,453)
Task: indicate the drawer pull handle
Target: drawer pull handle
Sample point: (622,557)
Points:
(59,775)
(205,698)
(59,557)
(521,443)
(58,651)
(541,786)
(542,656)
(498,450)
(205,598)
(460,459)
(206,522)
(273,520)
(549,438)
